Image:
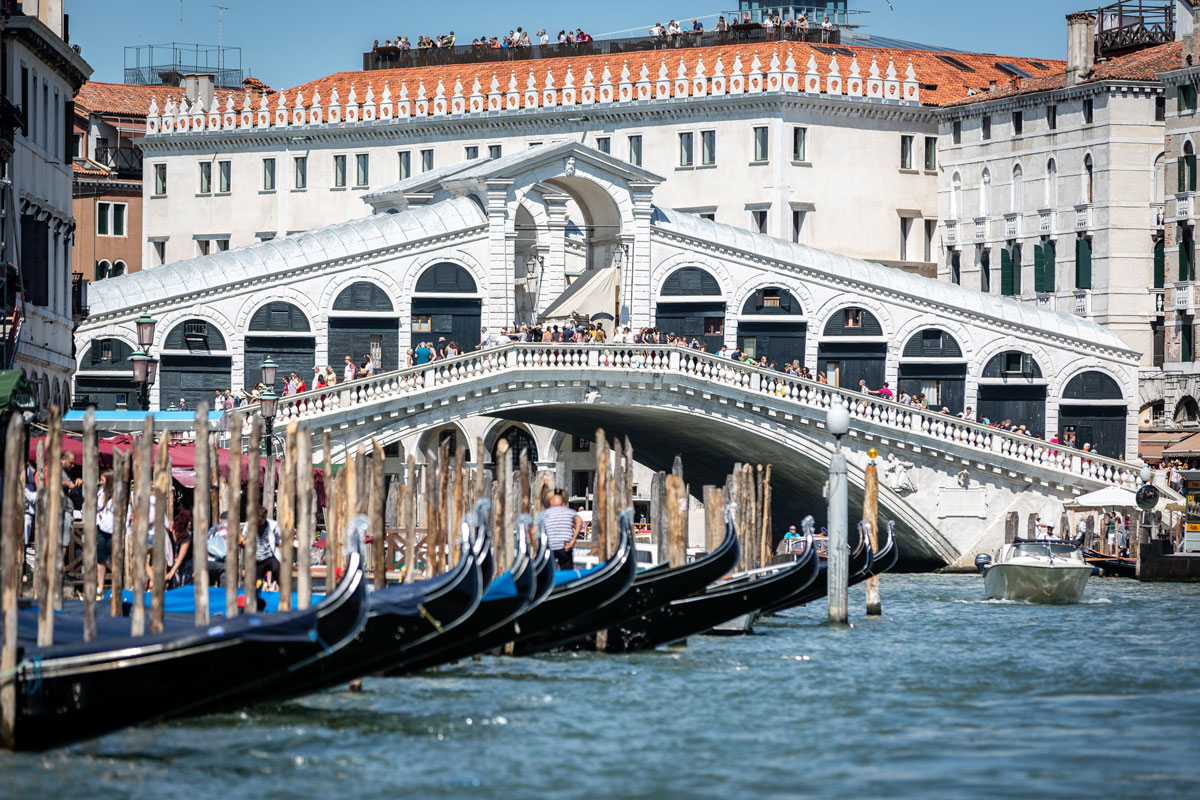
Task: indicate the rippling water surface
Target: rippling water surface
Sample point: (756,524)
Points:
(945,695)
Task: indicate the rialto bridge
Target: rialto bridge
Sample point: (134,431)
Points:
(497,242)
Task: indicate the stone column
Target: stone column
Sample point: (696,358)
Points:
(554,274)
(498,308)
(636,270)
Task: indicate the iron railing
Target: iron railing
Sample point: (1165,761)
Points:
(79,295)
(1130,24)
(125,160)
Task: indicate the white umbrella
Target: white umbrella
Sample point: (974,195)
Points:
(1108,497)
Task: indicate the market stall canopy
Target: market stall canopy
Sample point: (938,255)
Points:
(592,296)
(1151,444)
(1108,497)
(1188,447)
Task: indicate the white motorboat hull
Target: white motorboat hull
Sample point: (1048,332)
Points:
(1039,583)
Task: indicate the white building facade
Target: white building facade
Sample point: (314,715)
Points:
(43,74)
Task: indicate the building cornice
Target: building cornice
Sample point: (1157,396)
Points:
(51,49)
(1030,99)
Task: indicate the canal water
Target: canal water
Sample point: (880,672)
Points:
(945,696)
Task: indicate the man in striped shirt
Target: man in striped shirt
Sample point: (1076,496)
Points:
(563,526)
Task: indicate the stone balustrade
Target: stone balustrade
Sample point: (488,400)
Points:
(911,423)
(549,91)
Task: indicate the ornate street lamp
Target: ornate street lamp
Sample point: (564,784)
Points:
(145,331)
(145,367)
(268,402)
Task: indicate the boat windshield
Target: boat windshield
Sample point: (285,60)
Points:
(1043,550)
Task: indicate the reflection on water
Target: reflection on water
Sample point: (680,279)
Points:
(946,695)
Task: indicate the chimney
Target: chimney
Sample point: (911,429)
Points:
(199,85)
(1081,48)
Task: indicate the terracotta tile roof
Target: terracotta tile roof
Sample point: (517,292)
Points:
(133,101)
(1143,65)
(941,81)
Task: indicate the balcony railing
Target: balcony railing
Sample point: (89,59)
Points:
(1083,217)
(125,160)
(1160,304)
(1130,24)
(951,231)
(1012,226)
(980,229)
(1182,297)
(79,295)
(381,57)
(1045,221)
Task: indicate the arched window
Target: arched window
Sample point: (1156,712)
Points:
(1160,179)
(102,270)
(445,278)
(118,268)
(985,194)
(690,282)
(1187,168)
(956,196)
(518,439)
(1018,190)
(1051,191)
(1088,179)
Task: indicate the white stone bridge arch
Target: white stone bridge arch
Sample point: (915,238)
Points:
(714,412)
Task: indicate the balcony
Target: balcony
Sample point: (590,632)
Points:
(981,229)
(952,231)
(123,160)
(1081,303)
(1012,226)
(1083,217)
(1160,304)
(1045,221)
(1183,206)
(79,296)
(1180,297)
(1044,300)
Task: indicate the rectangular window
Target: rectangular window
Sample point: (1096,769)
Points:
(1052,117)
(494,151)
(685,149)
(300,176)
(956,267)
(160,179)
(799,144)
(103,214)
(580,445)
(758,218)
(930,152)
(224,176)
(852,318)
(1044,266)
(1187,342)
(1160,108)
(205,177)
(339,171)
(426,160)
(714,326)
(118,218)
(1187,97)
(930,229)
(604,144)
(203,246)
(268,174)
(906,152)
(1083,262)
(905,232)
(1018,123)
(1187,254)
(471,152)
(1013,363)
(222,244)
(362,169)
(798,233)
(770,298)
(985,270)
(1088,111)
(635,150)
(708,147)
(1010,271)
(987,127)
(711,216)
(77,145)
(422,324)
(405,158)
(158,251)
(762,152)
(956,132)
(581,482)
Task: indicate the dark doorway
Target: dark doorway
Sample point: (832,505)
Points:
(772,325)
(518,439)
(360,324)
(195,362)
(1093,408)
(692,315)
(932,365)
(847,352)
(443,313)
(1012,387)
(280,331)
(105,376)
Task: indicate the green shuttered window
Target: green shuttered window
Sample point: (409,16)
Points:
(1083,263)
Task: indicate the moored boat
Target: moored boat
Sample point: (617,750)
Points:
(1039,571)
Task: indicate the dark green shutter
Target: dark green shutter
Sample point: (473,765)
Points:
(1160,264)
(1191,172)
(1187,259)
(1016,270)
(1182,170)
(1006,278)
(1083,263)
(1039,268)
(1187,343)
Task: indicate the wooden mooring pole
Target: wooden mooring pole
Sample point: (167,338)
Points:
(286,504)
(306,517)
(91,473)
(870,516)
(12,557)
(201,507)
(143,465)
(233,506)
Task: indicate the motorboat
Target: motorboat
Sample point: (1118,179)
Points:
(1036,570)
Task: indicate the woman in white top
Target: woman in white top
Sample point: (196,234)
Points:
(104,528)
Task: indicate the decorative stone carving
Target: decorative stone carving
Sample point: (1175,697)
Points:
(895,474)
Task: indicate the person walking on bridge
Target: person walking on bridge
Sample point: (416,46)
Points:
(563,526)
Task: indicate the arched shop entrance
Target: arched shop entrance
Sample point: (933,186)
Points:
(363,321)
(691,305)
(1093,410)
(105,376)
(195,361)
(445,305)
(772,324)
(281,331)
(931,364)
(1012,388)
(853,348)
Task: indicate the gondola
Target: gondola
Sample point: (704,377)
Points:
(861,559)
(77,690)
(651,589)
(402,617)
(1111,565)
(530,578)
(720,602)
(887,556)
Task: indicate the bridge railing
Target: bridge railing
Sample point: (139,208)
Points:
(676,360)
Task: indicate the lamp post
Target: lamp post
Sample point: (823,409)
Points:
(268,401)
(145,367)
(837,421)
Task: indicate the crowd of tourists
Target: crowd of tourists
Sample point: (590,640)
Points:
(519,37)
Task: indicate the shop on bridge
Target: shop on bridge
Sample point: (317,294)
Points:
(772,324)
(1093,411)
(105,377)
(446,304)
(363,321)
(195,361)
(932,364)
(853,348)
(692,305)
(1012,388)
(281,331)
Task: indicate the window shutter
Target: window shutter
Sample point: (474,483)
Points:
(1160,264)
(1016,269)
(1187,344)
(758,300)
(1006,270)
(1182,170)
(96,351)
(1191,171)
(1039,269)
(1083,263)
